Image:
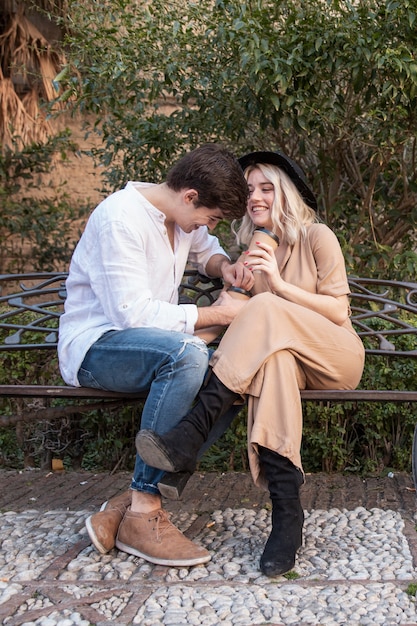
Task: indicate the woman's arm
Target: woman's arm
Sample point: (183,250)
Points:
(335,308)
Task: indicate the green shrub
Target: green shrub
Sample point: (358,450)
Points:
(365,436)
(36,228)
(262,75)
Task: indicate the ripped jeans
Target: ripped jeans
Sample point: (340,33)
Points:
(169,365)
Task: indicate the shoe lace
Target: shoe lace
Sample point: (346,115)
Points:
(163,523)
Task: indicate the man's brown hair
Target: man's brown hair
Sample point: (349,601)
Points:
(216,175)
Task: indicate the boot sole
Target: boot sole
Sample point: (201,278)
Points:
(272,570)
(157,561)
(152,453)
(99,546)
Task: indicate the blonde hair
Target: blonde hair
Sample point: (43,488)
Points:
(289,211)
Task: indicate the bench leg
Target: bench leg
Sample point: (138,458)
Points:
(172,485)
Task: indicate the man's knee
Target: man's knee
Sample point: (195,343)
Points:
(194,350)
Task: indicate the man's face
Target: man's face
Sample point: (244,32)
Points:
(204,217)
(190,218)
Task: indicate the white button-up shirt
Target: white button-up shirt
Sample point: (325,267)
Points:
(124,274)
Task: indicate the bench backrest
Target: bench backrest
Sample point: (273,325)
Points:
(384,312)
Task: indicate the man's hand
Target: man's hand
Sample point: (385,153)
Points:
(238,275)
(221,313)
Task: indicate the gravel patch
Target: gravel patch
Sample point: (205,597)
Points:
(354,567)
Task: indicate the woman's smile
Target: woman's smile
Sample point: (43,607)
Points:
(261,198)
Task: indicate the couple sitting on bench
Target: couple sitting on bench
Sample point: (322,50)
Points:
(123,330)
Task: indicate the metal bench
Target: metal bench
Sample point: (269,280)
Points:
(384,312)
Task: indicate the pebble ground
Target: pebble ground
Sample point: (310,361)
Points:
(357,565)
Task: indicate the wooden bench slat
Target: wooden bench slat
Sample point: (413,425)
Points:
(333,395)
(384,395)
(64,391)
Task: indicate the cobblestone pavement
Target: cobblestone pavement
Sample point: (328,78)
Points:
(357,565)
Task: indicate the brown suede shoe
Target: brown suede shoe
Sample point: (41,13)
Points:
(103,526)
(154,538)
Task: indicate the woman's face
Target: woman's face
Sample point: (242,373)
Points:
(261,198)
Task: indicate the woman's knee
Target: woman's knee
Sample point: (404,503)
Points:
(265,304)
(261,299)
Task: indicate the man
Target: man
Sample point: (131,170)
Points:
(123,329)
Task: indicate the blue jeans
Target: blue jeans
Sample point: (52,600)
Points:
(169,365)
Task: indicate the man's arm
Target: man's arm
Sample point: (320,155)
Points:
(221,313)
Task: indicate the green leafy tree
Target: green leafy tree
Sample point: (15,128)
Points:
(332,83)
(37,230)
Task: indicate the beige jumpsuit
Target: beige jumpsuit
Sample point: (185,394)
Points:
(274,348)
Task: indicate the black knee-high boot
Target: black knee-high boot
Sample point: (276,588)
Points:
(284,481)
(177,450)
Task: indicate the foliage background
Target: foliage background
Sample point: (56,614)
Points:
(334,84)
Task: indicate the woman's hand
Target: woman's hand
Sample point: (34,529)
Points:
(336,309)
(262,259)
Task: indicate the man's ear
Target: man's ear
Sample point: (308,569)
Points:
(191,195)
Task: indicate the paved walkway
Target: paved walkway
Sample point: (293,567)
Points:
(356,566)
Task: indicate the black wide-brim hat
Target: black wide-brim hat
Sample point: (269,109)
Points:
(289,166)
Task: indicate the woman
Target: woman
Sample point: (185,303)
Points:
(294,333)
